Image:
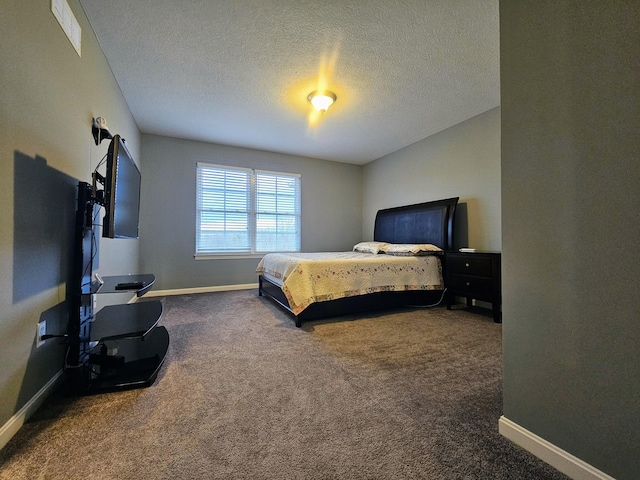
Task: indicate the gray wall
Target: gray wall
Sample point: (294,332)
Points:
(462,161)
(571,226)
(49,96)
(331,209)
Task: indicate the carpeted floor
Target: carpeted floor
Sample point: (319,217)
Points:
(408,394)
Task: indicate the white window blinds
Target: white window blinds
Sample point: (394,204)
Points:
(277,212)
(246,211)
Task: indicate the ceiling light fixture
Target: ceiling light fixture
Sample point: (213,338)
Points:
(322,99)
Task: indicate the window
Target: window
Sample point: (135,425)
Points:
(239,210)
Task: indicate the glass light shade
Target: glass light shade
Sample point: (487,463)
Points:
(322,100)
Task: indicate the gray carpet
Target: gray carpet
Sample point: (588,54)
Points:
(246,395)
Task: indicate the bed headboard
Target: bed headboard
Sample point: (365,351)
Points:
(429,222)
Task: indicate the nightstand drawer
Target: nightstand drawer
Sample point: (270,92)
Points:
(472,285)
(469,265)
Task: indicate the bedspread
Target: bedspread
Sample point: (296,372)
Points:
(314,277)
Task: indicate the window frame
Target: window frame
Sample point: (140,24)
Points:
(252,211)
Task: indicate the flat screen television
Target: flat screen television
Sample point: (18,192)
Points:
(121,193)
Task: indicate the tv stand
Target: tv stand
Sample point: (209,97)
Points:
(121,346)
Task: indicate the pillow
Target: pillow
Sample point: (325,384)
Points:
(409,249)
(369,247)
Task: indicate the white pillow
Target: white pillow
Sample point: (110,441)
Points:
(370,247)
(409,249)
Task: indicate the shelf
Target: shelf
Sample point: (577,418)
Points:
(109,283)
(125,321)
(142,359)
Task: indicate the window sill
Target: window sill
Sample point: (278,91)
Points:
(235,256)
(227,256)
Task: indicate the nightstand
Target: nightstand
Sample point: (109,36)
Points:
(474,275)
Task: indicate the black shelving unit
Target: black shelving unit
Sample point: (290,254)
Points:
(121,346)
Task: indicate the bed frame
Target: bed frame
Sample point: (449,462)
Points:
(429,222)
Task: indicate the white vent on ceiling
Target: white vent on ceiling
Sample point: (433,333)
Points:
(68,22)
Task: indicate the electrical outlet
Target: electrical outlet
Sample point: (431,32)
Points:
(42,330)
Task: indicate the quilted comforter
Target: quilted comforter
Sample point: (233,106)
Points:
(306,278)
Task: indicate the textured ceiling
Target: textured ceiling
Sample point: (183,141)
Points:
(239,72)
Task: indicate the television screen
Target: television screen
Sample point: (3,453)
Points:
(121,193)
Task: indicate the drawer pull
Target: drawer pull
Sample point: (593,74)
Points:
(466,264)
(468,283)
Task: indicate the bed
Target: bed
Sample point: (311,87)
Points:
(318,285)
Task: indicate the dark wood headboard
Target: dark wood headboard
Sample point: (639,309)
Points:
(429,222)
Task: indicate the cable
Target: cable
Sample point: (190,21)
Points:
(432,305)
(101,162)
(96,212)
(66,361)
(49,335)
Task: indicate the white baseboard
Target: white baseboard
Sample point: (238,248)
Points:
(190,291)
(563,461)
(16,422)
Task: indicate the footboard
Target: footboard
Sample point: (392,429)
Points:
(350,305)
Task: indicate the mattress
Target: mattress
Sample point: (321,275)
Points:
(306,278)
